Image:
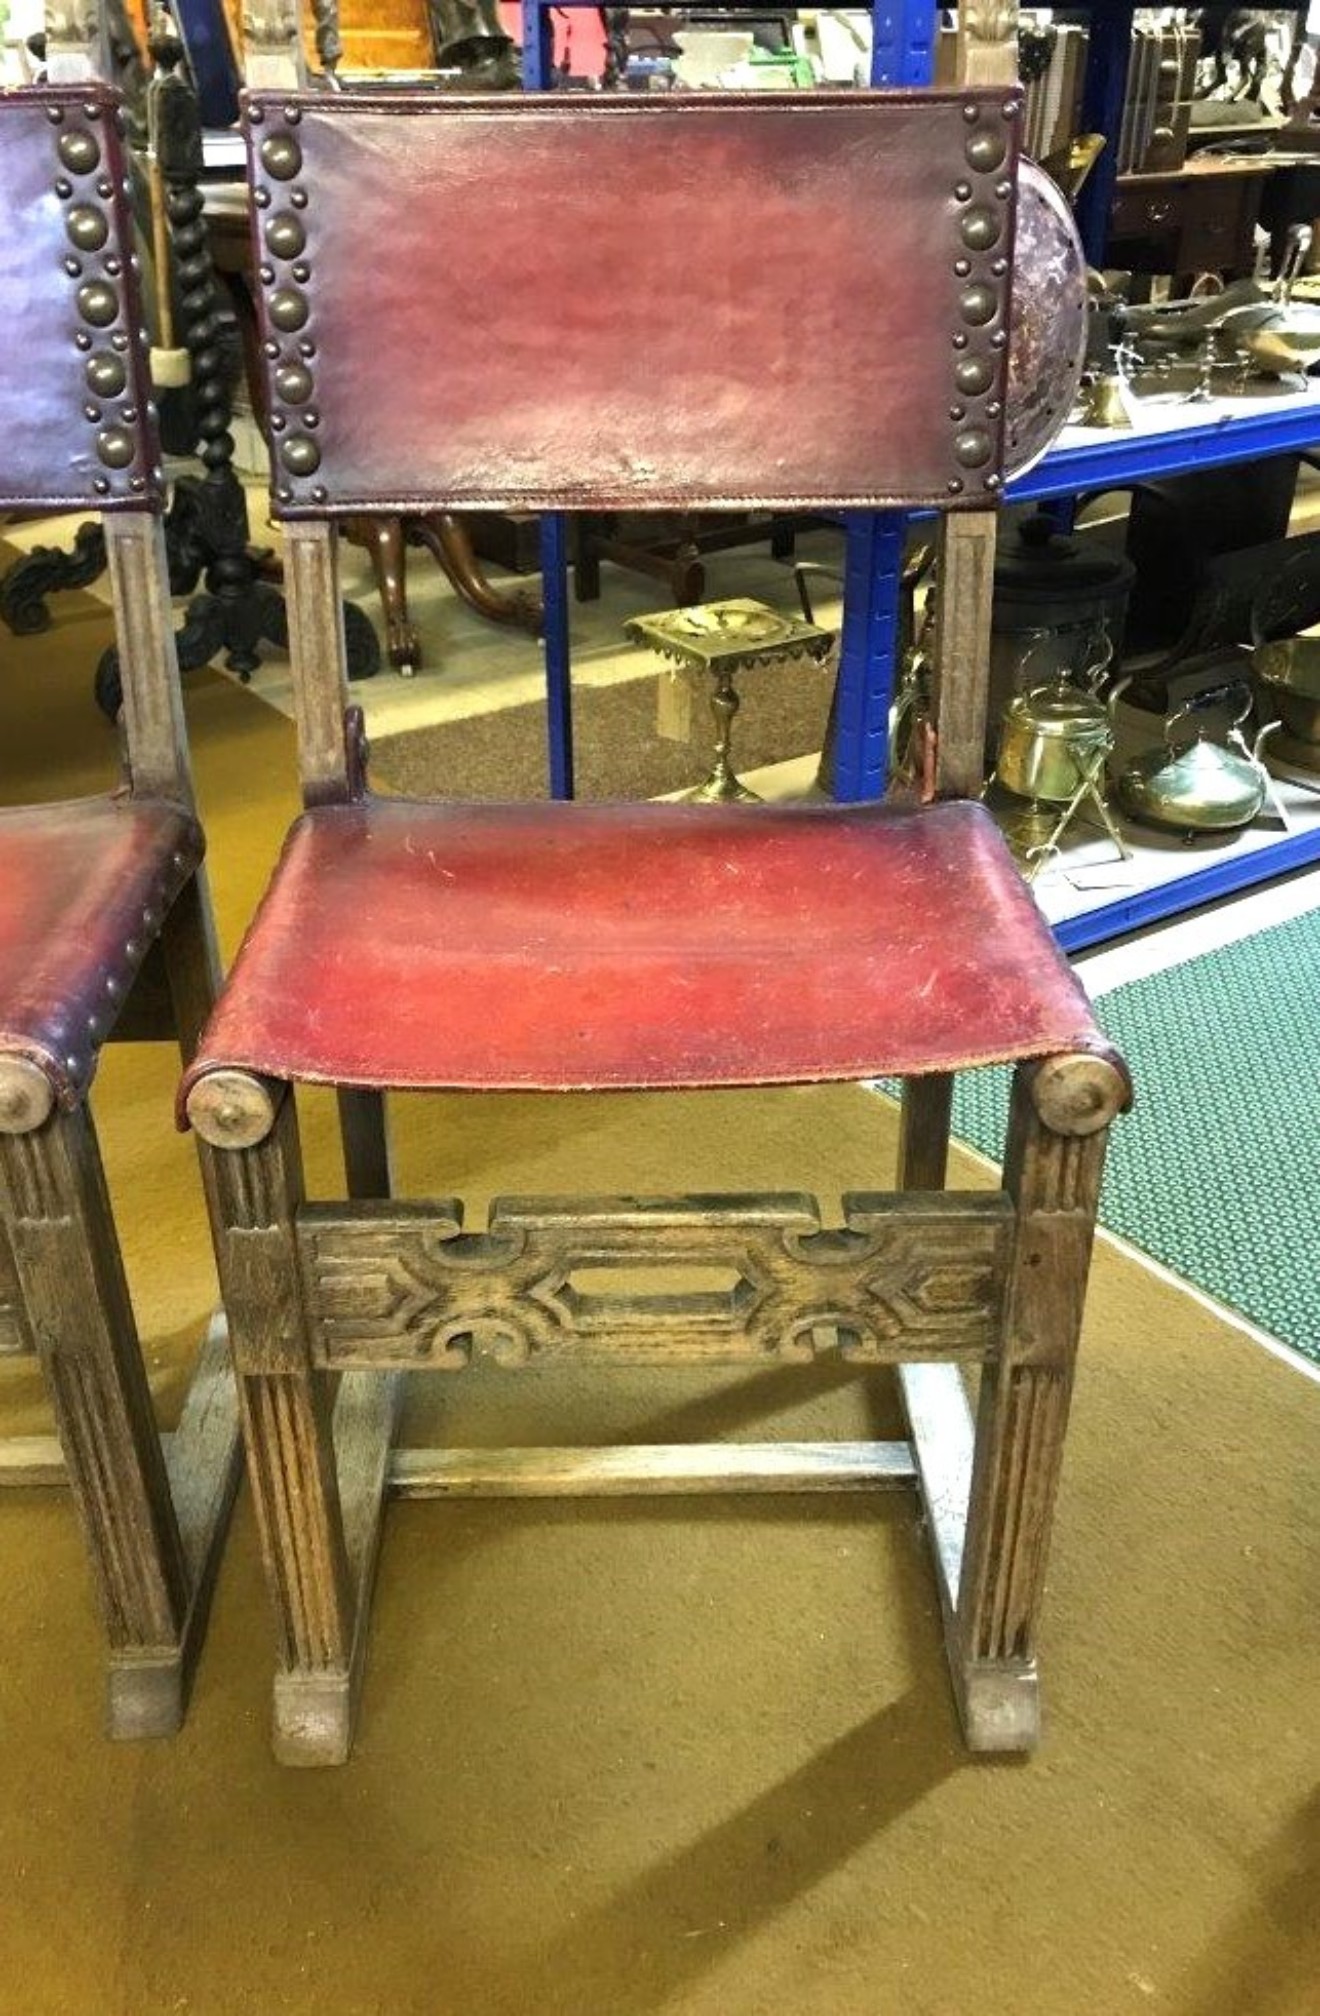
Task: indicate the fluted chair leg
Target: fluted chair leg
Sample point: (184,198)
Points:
(317,1466)
(76,1308)
(1057,1136)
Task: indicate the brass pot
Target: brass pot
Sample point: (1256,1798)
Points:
(1289,671)
(1048,738)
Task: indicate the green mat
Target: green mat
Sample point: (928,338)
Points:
(1216,1171)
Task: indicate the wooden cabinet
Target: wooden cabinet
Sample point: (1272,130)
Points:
(1196,219)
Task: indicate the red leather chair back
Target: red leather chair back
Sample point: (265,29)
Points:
(76,423)
(706,300)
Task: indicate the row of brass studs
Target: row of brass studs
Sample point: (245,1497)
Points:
(980,227)
(97,298)
(284,236)
(98,1022)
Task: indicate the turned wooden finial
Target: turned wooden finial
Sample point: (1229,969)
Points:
(1079,1093)
(26,1095)
(232,1109)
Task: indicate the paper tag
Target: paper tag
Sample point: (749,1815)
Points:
(673,704)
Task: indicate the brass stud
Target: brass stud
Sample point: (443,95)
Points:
(300,455)
(978,304)
(287,309)
(298,198)
(63,188)
(962,267)
(980,229)
(320,495)
(985,151)
(284,235)
(281,156)
(86,227)
(973,375)
(994,482)
(269,349)
(98,303)
(962,190)
(293,384)
(105,187)
(993,409)
(265,274)
(83,340)
(302,272)
(293,115)
(973,447)
(73,267)
(80,152)
(55,114)
(971,113)
(960,341)
(91,412)
(256,113)
(115,447)
(101,485)
(954,485)
(261,197)
(306,348)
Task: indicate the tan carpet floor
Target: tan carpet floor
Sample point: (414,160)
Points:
(688,1757)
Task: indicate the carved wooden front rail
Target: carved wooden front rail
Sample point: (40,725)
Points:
(903,1277)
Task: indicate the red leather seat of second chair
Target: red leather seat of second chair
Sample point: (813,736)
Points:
(542,946)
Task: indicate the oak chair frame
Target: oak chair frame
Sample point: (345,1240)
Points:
(153,1508)
(332,1305)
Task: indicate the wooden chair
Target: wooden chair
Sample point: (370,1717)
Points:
(105,926)
(412,944)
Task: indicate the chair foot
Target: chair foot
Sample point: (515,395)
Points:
(146,1696)
(998,1703)
(313,1717)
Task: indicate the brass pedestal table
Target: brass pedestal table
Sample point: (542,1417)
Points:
(724,639)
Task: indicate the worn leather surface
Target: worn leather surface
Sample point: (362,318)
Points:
(462,307)
(83,888)
(65,230)
(557,946)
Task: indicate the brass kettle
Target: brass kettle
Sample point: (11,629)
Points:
(1048,739)
(1201,785)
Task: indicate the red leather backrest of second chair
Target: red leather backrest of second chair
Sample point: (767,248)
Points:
(623,301)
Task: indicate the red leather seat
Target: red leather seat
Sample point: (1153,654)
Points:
(83,887)
(561,947)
